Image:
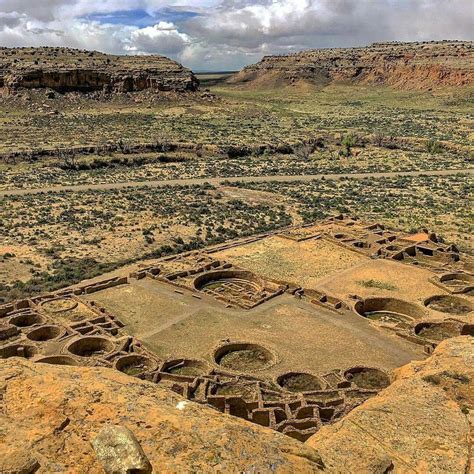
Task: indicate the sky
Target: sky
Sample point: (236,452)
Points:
(218,35)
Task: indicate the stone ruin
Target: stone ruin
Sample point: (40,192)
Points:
(66,329)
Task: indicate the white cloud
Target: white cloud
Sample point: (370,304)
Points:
(163,38)
(230,33)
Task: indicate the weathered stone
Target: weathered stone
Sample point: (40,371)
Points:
(18,461)
(120,452)
(175,437)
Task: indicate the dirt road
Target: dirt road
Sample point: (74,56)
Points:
(219,181)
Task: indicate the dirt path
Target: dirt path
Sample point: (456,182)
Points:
(219,180)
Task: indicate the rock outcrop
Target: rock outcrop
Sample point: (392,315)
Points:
(403,65)
(52,420)
(73,419)
(66,70)
(423,422)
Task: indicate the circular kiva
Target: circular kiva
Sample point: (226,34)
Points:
(58,360)
(26,320)
(45,333)
(299,382)
(457,280)
(18,350)
(59,305)
(187,367)
(437,331)
(388,310)
(91,346)
(367,377)
(228,281)
(135,364)
(449,304)
(243,357)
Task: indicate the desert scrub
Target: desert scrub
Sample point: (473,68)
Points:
(381,285)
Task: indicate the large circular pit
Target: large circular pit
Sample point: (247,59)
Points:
(233,283)
(388,310)
(59,305)
(243,357)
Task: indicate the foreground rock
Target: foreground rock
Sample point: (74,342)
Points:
(418,424)
(51,415)
(120,452)
(404,65)
(79,419)
(67,70)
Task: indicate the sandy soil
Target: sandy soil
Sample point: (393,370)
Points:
(301,263)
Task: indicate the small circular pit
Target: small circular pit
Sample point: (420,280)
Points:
(135,364)
(367,377)
(187,367)
(458,282)
(18,350)
(437,331)
(299,382)
(45,333)
(243,357)
(58,360)
(449,304)
(388,310)
(91,346)
(26,320)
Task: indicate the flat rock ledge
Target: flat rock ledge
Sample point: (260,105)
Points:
(52,419)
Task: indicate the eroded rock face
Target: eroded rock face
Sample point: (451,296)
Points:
(66,70)
(50,416)
(404,65)
(420,423)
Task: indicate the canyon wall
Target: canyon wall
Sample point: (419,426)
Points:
(67,70)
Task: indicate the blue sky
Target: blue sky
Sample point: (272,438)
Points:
(141,18)
(228,34)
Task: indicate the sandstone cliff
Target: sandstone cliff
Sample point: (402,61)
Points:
(403,65)
(65,70)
